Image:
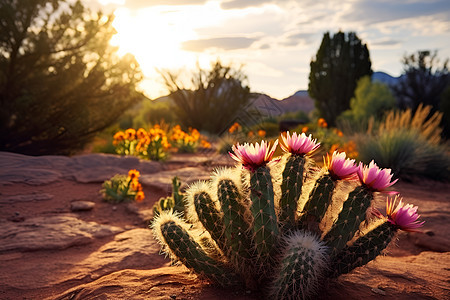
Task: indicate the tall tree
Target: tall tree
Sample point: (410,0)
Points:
(60,80)
(215,97)
(340,61)
(422,81)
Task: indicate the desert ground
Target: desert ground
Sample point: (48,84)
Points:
(59,240)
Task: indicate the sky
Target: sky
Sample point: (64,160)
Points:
(272,40)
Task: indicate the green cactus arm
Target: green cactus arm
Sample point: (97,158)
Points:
(209,215)
(319,200)
(236,228)
(265,227)
(303,264)
(183,247)
(363,250)
(177,195)
(352,214)
(291,188)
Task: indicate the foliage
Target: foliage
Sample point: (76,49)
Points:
(187,142)
(267,225)
(217,96)
(372,99)
(174,202)
(408,143)
(421,121)
(122,188)
(444,107)
(423,80)
(340,61)
(151,112)
(152,144)
(407,153)
(60,80)
(330,138)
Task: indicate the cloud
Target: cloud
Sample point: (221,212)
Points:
(372,12)
(137,4)
(385,42)
(239,4)
(298,38)
(225,43)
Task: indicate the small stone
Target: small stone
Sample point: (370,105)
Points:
(173,296)
(81,205)
(114,208)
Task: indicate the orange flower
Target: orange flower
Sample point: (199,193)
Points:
(119,136)
(262,133)
(134,174)
(130,134)
(140,196)
(205,144)
(250,134)
(322,123)
(234,127)
(141,133)
(304,129)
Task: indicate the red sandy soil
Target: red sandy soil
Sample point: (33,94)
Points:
(417,265)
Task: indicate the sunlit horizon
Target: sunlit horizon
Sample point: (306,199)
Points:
(273,41)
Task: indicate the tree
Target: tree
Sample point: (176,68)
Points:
(340,61)
(422,81)
(216,97)
(372,99)
(60,80)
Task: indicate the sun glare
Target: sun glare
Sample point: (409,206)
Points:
(154,35)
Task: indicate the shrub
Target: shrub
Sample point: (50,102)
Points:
(407,153)
(122,188)
(215,97)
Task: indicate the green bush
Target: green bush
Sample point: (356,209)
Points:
(407,153)
(372,99)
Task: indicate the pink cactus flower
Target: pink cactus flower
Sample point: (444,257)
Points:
(298,144)
(253,156)
(405,217)
(339,166)
(374,178)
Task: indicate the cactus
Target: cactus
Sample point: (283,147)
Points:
(262,225)
(174,202)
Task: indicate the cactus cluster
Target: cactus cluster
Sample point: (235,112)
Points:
(265,224)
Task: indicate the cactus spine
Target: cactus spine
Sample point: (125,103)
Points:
(234,230)
(172,232)
(265,227)
(364,249)
(318,202)
(303,263)
(291,188)
(352,214)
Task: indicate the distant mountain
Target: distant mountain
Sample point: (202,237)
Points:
(385,78)
(300,100)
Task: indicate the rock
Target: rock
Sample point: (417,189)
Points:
(10,199)
(52,232)
(163,180)
(80,205)
(133,249)
(31,176)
